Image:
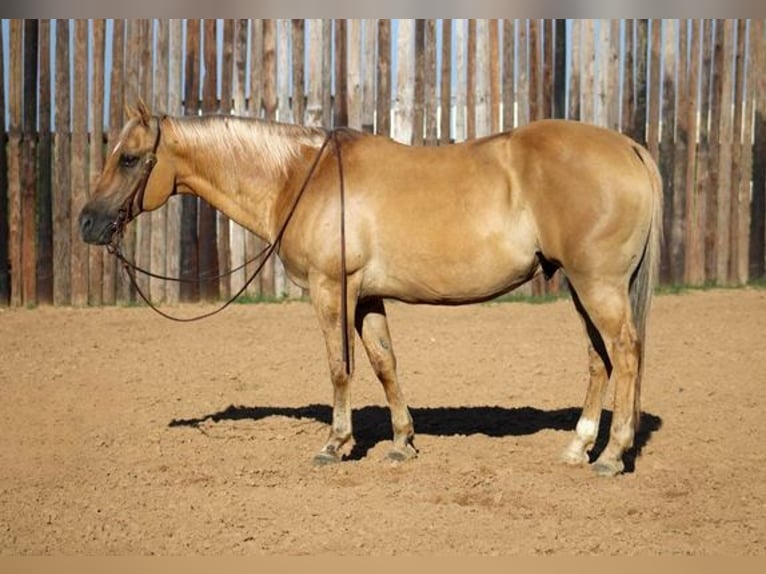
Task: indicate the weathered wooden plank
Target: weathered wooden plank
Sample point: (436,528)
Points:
(746,167)
(494,75)
(383,97)
(314,96)
(757,247)
(340,101)
(536,109)
(669,49)
(559,69)
(158,240)
(189,289)
(547,68)
(418,104)
(509,73)
(470,86)
(15,111)
(640,117)
(29,165)
(736,255)
(45,160)
(175,107)
(298,70)
(712,221)
(354,73)
(613,76)
(461,30)
(676,238)
(628,77)
(575,66)
(431,108)
(587,110)
(62,170)
(79,163)
(693,257)
(723,226)
(704,183)
(5,272)
(655,85)
(481,75)
(369,60)
(445,84)
(405,93)
(602,72)
(327,88)
(96,147)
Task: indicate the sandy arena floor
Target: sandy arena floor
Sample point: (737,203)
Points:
(129,434)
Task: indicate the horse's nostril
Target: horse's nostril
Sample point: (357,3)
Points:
(86,223)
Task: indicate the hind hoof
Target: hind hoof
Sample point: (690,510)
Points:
(325,458)
(608,468)
(571,458)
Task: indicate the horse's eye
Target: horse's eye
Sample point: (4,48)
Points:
(128,160)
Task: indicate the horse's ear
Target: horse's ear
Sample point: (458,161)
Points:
(144,112)
(130,111)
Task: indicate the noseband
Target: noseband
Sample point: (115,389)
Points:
(136,197)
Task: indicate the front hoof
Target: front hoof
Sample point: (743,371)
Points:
(608,468)
(402,454)
(324,458)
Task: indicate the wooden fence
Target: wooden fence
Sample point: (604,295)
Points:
(693,91)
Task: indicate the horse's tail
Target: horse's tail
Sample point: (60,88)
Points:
(645,276)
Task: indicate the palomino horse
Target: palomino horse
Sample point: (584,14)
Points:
(448,225)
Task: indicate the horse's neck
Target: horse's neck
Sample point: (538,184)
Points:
(241,168)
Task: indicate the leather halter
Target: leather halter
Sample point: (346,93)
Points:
(136,197)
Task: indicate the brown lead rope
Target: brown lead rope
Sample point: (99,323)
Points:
(131,268)
(343,276)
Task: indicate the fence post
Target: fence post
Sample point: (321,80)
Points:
(5,278)
(758,207)
(45,162)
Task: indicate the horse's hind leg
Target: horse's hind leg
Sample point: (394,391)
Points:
(588,423)
(607,309)
(372,326)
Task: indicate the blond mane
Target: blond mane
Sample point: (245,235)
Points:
(231,138)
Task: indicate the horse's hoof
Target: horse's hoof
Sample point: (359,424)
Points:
(574,458)
(402,454)
(608,468)
(324,458)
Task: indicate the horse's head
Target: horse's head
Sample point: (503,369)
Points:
(136,177)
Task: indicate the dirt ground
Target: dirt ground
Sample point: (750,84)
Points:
(125,433)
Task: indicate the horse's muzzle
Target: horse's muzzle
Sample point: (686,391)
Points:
(96,227)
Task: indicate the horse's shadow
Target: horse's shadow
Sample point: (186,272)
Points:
(372,424)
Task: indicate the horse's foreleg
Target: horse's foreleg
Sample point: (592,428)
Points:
(325,296)
(372,326)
